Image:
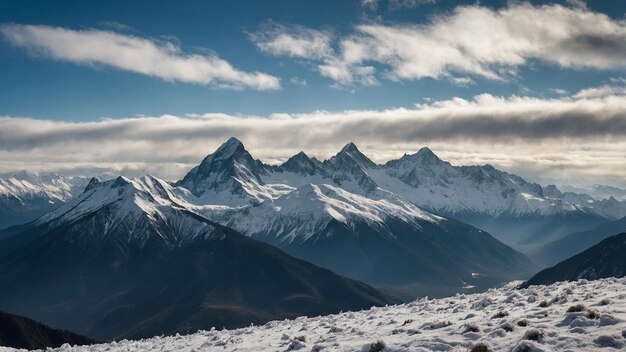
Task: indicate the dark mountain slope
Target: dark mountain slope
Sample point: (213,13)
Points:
(24,333)
(577,242)
(123,260)
(386,241)
(605,259)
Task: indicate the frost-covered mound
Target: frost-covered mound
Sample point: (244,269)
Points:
(578,316)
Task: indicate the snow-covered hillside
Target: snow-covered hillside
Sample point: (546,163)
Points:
(574,316)
(300,214)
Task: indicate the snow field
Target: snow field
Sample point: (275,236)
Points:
(568,316)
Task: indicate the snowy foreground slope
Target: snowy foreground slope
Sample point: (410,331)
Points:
(567,316)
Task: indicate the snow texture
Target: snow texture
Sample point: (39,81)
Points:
(574,316)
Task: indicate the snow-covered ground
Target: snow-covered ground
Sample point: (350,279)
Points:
(574,316)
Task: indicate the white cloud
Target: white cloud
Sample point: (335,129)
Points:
(602,91)
(477,41)
(313,46)
(578,138)
(164,60)
(293,41)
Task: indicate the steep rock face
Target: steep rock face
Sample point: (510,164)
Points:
(125,259)
(301,164)
(230,171)
(605,259)
(351,166)
(421,168)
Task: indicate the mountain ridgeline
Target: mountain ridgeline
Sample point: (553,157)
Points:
(123,260)
(237,241)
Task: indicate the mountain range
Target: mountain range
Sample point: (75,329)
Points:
(237,241)
(124,260)
(522,214)
(26,196)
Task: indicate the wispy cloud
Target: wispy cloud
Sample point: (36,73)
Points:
(162,59)
(473,41)
(616,87)
(311,45)
(293,41)
(408,4)
(395,4)
(577,137)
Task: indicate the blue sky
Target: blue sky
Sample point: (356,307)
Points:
(537,88)
(42,88)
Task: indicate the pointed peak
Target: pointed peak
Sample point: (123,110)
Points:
(94,182)
(298,158)
(300,155)
(120,181)
(350,147)
(301,163)
(351,152)
(233,141)
(425,154)
(426,151)
(229,148)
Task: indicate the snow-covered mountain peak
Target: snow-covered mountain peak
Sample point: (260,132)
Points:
(230,169)
(426,153)
(25,196)
(424,158)
(132,211)
(303,165)
(94,182)
(349,168)
(230,148)
(350,147)
(350,153)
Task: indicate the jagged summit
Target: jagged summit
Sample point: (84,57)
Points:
(350,166)
(228,149)
(230,168)
(351,154)
(137,212)
(425,151)
(424,156)
(94,182)
(350,147)
(302,164)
